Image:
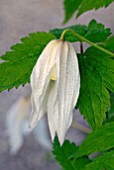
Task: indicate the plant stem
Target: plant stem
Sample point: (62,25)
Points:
(81,38)
(80,127)
(81,48)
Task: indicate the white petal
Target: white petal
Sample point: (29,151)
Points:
(16,117)
(36,116)
(40,76)
(52,100)
(51,109)
(67,90)
(40,79)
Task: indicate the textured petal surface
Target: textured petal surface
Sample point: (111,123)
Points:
(36,116)
(67,89)
(51,109)
(40,79)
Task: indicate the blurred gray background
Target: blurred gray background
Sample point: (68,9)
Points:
(17,19)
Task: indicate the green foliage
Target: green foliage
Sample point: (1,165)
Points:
(100,139)
(94,32)
(92,4)
(106,160)
(82,6)
(97,77)
(20,61)
(103,162)
(63,153)
(70,7)
(97,32)
(109,43)
(111,109)
(80,29)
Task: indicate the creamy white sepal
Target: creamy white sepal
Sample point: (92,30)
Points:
(51,110)
(68,85)
(40,79)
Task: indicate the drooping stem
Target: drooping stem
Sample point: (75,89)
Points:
(81,38)
(80,127)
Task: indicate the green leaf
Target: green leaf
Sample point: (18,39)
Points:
(80,163)
(70,6)
(111,109)
(92,4)
(63,153)
(97,76)
(100,139)
(95,32)
(109,43)
(103,162)
(20,61)
(80,29)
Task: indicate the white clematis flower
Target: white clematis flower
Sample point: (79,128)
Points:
(17,123)
(55,83)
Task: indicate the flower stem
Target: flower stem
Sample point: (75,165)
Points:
(81,38)
(80,127)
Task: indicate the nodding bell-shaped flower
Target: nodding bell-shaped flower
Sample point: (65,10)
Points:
(55,83)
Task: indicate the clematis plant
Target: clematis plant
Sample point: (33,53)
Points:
(50,64)
(55,83)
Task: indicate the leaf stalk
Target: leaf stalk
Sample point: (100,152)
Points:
(80,127)
(82,39)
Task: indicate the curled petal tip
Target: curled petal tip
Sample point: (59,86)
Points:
(31,127)
(33,122)
(61,141)
(61,138)
(53,137)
